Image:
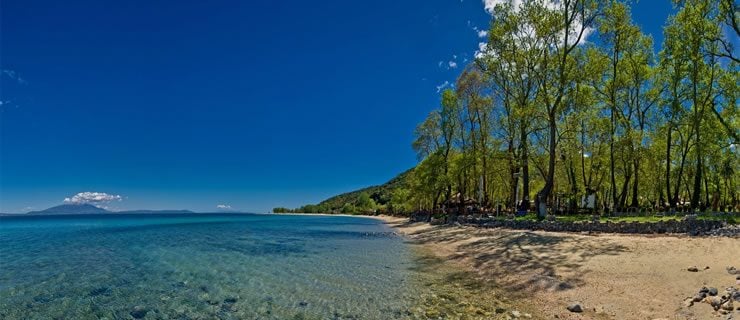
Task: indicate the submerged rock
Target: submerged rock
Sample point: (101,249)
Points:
(42,298)
(102,291)
(213,302)
(139,312)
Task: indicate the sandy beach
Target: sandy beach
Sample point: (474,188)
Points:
(539,274)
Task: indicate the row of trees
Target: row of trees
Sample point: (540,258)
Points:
(543,116)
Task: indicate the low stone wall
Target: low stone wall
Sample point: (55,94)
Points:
(686,226)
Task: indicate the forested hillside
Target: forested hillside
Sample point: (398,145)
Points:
(374,199)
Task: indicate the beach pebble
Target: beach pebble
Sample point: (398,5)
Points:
(575,308)
(699,297)
(712,291)
(727,305)
(516,314)
(715,302)
(732,270)
(693,269)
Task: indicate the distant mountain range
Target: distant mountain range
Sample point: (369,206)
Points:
(91,209)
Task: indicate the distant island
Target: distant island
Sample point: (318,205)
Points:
(85,208)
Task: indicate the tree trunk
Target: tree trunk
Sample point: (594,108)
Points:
(635,203)
(671,200)
(512,174)
(546,191)
(696,194)
(612,170)
(525,170)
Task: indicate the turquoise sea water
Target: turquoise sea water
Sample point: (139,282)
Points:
(202,266)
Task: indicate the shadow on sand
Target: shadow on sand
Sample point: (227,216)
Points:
(521,262)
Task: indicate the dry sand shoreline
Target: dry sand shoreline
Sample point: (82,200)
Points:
(611,276)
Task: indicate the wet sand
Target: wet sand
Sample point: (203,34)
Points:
(611,276)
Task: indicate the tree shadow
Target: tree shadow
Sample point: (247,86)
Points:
(523,262)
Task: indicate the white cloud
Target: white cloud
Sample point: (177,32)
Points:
(92,198)
(528,30)
(489,5)
(223,207)
(14,75)
(482,50)
(442,86)
(481,33)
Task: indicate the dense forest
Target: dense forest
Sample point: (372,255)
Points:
(568,106)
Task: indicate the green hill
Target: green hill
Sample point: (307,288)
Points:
(372,199)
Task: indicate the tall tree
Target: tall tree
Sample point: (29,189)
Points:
(563,25)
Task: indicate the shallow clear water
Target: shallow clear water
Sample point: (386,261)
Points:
(204,266)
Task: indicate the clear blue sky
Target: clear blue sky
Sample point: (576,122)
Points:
(251,104)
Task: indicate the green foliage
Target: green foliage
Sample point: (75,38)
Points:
(541,114)
(371,200)
(348,208)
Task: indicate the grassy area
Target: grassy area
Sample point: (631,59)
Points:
(730,218)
